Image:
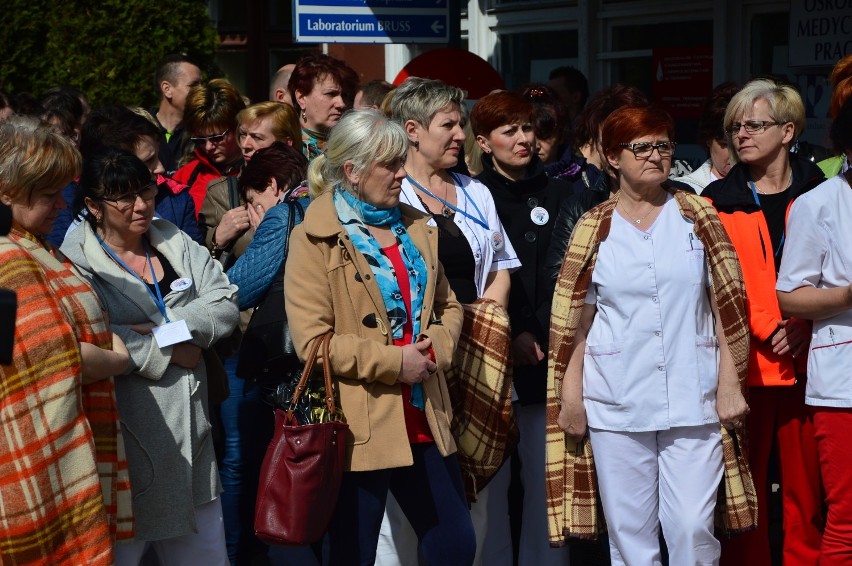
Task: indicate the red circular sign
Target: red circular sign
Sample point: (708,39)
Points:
(455,67)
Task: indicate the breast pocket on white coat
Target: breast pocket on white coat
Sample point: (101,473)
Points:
(603,373)
(697,261)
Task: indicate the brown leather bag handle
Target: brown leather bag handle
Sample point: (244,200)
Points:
(306,375)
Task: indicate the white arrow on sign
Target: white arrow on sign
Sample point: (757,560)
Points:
(437,26)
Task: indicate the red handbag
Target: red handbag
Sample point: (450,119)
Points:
(303,466)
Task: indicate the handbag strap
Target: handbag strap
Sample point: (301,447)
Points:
(233,192)
(306,374)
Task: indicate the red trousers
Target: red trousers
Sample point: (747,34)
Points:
(780,412)
(833,432)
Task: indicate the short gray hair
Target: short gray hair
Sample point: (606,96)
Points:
(420,99)
(365,138)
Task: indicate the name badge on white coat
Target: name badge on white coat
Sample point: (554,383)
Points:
(171,333)
(181,284)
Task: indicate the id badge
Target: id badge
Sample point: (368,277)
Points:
(171,333)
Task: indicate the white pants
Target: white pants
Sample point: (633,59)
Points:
(668,478)
(206,547)
(534,548)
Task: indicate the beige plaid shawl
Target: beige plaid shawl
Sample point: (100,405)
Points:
(480,387)
(572,504)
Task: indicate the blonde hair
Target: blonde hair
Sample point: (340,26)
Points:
(34,158)
(364,138)
(285,121)
(785,104)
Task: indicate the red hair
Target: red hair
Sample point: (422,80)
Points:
(628,123)
(498,109)
(841,80)
(313,68)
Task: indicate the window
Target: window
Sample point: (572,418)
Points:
(527,57)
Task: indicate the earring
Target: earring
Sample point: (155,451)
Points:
(304,116)
(416,144)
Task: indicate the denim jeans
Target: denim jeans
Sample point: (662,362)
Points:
(247,422)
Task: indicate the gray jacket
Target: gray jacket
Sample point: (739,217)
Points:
(163,407)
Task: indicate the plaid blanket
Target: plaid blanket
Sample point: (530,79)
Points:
(50,496)
(480,387)
(572,504)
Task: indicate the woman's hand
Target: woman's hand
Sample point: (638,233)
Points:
(233,224)
(572,419)
(119,348)
(255,213)
(97,363)
(416,365)
(526,350)
(186,355)
(792,337)
(731,407)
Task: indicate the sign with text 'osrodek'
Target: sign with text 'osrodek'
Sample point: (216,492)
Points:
(371,21)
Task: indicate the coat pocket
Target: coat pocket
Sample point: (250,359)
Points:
(707,361)
(139,463)
(603,373)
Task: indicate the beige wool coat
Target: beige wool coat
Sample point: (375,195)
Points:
(329,286)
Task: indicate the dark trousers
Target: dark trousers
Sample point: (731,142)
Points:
(431,495)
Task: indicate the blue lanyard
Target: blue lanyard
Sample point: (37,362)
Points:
(158,298)
(783,234)
(480,220)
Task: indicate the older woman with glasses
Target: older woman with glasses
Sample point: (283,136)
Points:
(762,121)
(210,119)
(648,355)
(170,303)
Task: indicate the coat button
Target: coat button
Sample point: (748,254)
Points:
(530,236)
(532,202)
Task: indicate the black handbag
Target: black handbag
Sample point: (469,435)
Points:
(267,354)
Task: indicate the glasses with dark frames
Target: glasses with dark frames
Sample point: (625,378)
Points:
(147,194)
(645,149)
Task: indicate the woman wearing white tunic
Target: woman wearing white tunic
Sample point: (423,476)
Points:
(647,375)
(815,282)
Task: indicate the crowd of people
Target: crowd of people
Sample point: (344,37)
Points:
(674,345)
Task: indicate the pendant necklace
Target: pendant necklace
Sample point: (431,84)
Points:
(635,220)
(446,211)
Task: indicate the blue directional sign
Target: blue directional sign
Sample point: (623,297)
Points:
(371,21)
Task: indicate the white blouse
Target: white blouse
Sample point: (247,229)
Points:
(818,253)
(652,356)
(474,200)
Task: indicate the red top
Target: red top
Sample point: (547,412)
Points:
(415,419)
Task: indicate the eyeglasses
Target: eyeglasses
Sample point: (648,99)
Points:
(147,194)
(645,149)
(751,127)
(214,139)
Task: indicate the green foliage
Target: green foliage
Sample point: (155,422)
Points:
(109,49)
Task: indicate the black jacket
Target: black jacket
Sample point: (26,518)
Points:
(732,193)
(530,296)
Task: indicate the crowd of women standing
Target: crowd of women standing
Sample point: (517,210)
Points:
(663,347)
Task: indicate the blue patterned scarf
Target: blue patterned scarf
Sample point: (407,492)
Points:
(354,215)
